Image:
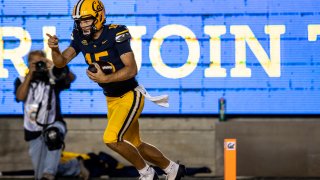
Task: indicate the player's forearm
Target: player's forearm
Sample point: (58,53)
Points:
(58,59)
(122,75)
(23,89)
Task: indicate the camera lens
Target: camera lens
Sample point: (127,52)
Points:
(41,72)
(41,66)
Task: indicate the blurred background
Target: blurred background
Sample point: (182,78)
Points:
(243,69)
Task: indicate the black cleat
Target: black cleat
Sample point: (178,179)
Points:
(181,172)
(155,177)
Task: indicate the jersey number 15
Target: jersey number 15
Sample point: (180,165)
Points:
(96,56)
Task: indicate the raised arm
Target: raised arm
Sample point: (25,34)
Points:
(60,59)
(23,88)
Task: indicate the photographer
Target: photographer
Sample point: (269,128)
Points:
(44,126)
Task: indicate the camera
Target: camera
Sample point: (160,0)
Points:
(41,66)
(41,72)
(54,135)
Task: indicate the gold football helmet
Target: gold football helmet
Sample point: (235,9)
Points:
(89,9)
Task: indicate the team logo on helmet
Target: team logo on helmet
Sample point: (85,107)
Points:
(98,7)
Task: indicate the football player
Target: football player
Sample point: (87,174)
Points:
(111,43)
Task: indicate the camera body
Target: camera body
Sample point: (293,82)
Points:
(42,73)
(54,135)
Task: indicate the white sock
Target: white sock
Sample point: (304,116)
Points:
(169,168)
(144,170)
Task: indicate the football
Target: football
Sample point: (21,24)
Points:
(106,67)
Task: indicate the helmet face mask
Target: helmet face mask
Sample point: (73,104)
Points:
(86,31)
(88,9)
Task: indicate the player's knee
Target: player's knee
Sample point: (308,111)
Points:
(140,146)
(133,140)
(137,143)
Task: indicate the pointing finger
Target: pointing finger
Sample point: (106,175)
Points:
(49,35)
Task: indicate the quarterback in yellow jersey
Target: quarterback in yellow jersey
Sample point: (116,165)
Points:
(111,44)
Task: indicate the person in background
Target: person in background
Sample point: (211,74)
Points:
(44,126)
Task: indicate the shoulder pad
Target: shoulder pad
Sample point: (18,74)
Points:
(122,34)
(112,26)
